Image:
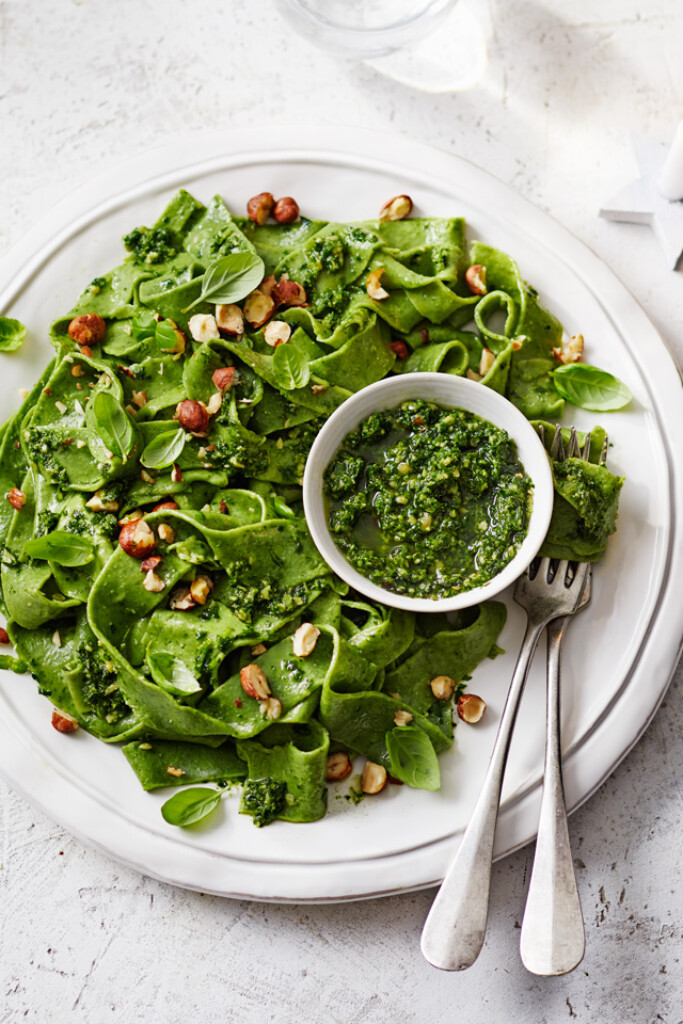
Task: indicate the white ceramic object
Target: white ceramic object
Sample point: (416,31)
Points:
(618,657)
(450,392)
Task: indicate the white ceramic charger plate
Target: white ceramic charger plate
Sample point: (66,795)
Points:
(618,656)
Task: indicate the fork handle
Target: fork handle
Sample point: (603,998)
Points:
(553,939)
(455,927)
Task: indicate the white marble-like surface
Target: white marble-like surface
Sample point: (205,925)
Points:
(87,82)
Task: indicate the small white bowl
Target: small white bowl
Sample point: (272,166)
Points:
(451,393)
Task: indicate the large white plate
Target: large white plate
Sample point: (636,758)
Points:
(619,655)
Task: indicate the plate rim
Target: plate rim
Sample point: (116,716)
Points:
(370,149)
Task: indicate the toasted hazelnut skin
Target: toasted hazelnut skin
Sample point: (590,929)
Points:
(470,708)
(374,778)
(192,416)
(254,682)
(222,378)
(4,637)
(442,687)
(63,722)
(400,348)
(16,498)
(396,208)
(151,563)
(137,539)
(260,207)
(286,210)
(475,278)
(87,329)
(288,293)
(338,766)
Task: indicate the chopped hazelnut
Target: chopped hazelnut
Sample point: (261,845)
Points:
(267,285)
(87,329)
(137,539)
(402,718)
(277,332)
(146,477)
(305,639)
(180,343)
(338,766)
(230,319)
(214,403)
(168,505)
(470,708)
(288,293)
(140,398)
(272,708)
(286,210)
(176,475)
(258,649)
(166,533)
(260,207)
(396,208)
(258,308)
(443,687)
(153,582)
(77,370)
(16,498)
(473,375)
(400,348)
(254,682)
(374,288)
(63,722)
(181,600)
(98,503)
(374,778)
(572,352)
(475,278)
(4,637)
(486,362)
(203,327)
(200,588)
(175,772)
(192,416)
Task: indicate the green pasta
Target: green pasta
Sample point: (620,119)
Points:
(189,658)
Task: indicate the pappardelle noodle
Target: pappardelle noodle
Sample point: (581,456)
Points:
(158,578)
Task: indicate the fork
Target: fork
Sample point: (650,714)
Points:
(553,938)
(454,931)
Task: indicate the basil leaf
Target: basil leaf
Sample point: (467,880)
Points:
(413,758)
(230,278)
(164,449)
(190,805)
(591,388)
(172,674)
(290,367)
(61,547)
(144,325)
(12,333)
(113,424)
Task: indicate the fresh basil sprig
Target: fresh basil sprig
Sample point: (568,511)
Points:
(12,334)
(172,674)
(164,449)
(113,424)
(230,278)
(412,757)
(591,388)
(290,367)
(190,805)
(61,547)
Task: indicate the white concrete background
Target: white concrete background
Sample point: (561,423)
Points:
(87,82)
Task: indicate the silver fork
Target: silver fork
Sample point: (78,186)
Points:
(553,938)
(454,931)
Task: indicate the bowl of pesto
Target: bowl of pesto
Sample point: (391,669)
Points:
(428,492)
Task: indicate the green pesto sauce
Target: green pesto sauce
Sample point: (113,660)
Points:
(428,502)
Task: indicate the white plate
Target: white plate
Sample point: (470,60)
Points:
(619,655)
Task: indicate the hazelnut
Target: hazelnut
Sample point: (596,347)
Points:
(277,332)
(153,562)
(146,477)
(267,285)
(396,208)
(140,399)
(572,352)
(200,588)
(486,362)
(137,539)
(400,348)
(223,377)
(260,207)
(475,278)
(176,475)
(338,766)
(166,533)
(98,503)
(63,722)
(181,600)
(402,718)
(214,403)
(374,288)
(177,773)
(258,308)
(4,637)
(203,327)
(77,370)
(473,375)
(288,293)
(230,320)
(305,639)
(180,343)
(254,682)
(87,352)
(470,707)
(286,210)
(258,649)
(87,329)
(16,498)
(168,504)
(153,583)
(443,687)
(374,778)
(271,708)
(192,416)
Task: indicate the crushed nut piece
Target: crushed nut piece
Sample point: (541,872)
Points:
(176,772)
(288,293)
(572,352)
(230,319)
(396,208)
(400,348)
(254,682)
(486,362)
(137,539)
(63,722)
(338,766)
(258,307)
(140,398)
(16,498)
(374,288)
(77,371)
(192,416)
(4,637)
(87,329)
(475,278)
(166,533)
(181,600)
(60,407)
(146,477)
(214,403)
(272,707)
(200,588)
(176,475)
(203,327)
(258,649)
(153,562)
(153,582)
(402,718)
(471,375)
(56,638)
(374,778)
(305,639)
(443,687)
(470,708)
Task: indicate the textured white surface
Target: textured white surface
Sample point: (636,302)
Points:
(86,83)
